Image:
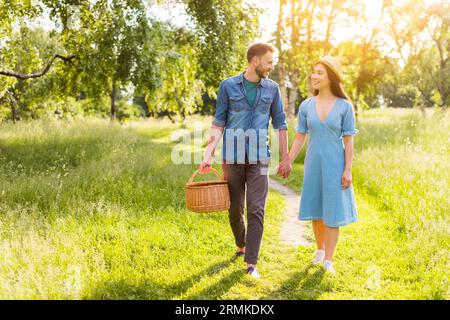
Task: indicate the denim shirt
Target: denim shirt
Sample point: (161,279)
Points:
(246,127)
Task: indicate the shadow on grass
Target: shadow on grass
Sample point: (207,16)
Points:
(150,290)
(302,285)
(216,290)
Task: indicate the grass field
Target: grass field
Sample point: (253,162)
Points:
(91,210)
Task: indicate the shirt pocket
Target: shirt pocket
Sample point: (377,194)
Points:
(237,103)
(264,104)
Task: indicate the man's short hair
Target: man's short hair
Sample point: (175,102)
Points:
(259,49)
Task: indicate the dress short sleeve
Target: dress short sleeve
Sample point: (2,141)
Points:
(302,125)
(348,120)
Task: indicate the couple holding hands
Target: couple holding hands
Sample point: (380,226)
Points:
(245,105)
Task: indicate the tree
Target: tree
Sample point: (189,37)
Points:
(27,55)
(19,56)
(438,27)
(299,39)
(107,38)
(279,41)
(427,64)
(224,30)
(180,89)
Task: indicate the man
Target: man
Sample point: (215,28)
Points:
(245,104)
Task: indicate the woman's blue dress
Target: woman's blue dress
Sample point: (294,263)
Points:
(322,194)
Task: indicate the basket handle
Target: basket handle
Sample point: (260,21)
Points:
(198,170)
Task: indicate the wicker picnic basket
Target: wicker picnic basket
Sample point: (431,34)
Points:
(207,196)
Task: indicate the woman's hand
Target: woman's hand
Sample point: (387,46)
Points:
(285,167)
(346,180)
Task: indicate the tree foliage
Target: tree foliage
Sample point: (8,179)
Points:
(95,57)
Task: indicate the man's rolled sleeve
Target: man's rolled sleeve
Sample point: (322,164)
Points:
(220,118)
(277,112)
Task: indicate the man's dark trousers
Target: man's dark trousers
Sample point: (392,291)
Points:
(255,177)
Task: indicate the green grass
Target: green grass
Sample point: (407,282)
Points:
(90,210)
(95,211)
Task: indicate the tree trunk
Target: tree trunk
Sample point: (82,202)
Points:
(425,98)
(113,100)
(441,86)
(356,105)
(294,23)
(422,108)
(293,95)
(15,110)
(283,89)
(329,25)
(181,112)
(282,68)
(309,88)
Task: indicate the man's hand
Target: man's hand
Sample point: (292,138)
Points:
(205,165)
(284,169)
(216,134)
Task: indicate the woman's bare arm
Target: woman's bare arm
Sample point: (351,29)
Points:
(348,144)
(347,178)
(297,145)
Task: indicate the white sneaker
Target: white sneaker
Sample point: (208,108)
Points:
(253,272)
(328,266)
(320,255)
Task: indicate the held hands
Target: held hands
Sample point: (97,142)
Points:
(346,180)
(284,169)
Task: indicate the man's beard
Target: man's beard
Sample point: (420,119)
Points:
(260,72)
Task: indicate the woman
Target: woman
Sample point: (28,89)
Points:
(327,194)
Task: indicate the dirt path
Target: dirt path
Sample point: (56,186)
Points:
(292,230)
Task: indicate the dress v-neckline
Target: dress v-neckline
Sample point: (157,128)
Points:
(329,112)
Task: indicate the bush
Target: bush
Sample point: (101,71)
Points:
(56,109)
(128,111)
